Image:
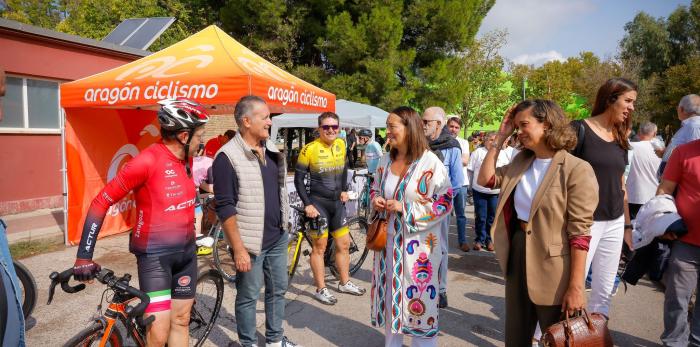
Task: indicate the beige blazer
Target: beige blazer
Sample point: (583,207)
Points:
(562,208)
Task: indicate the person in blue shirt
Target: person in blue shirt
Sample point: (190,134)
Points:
(688,111)
(446,147)
(373,151)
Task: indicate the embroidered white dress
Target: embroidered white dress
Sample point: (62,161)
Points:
(412,241)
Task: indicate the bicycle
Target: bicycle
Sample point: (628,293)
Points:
(358,250)
(27,286)
(364,207)
(222,251)
(104,330)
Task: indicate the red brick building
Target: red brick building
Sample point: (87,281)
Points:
(36,62)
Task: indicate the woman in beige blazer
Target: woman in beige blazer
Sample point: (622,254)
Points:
(543,218)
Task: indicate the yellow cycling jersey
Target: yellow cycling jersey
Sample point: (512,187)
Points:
(326,169)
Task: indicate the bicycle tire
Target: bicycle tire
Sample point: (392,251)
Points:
(293,254)
(92,335)
(205,309)
(29,288)
(223,256)
(358,246)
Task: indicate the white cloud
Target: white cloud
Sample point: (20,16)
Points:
(532,24)
(538,58)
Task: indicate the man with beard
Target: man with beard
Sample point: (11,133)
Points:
(446,147)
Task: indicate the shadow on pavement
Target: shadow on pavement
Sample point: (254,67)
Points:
(336,329)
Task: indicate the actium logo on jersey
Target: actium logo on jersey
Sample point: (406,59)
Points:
(121,157)
(181,206)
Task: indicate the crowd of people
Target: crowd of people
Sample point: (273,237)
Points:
(555,200)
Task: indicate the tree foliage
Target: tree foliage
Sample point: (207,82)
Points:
(380,52)
(667,52)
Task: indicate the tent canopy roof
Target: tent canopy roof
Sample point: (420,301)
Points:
(351,114)
(209,67)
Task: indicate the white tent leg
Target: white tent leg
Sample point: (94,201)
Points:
(64,174)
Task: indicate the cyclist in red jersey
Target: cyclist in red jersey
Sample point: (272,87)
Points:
(163,238)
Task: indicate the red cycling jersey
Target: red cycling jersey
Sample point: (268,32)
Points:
(165,200)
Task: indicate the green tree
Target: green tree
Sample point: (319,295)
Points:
(647,37)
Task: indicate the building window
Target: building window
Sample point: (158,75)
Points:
(30,105)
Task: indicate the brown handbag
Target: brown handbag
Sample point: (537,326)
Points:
(585,330)
(376,232)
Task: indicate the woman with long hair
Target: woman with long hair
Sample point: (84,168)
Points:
(604,145)
(543,218)
(413,189)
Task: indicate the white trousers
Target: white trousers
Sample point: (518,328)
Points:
(603,258)
(396,340)
(444,238)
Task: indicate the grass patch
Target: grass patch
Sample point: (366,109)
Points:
(25,249)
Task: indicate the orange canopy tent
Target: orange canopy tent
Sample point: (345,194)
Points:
(110,116)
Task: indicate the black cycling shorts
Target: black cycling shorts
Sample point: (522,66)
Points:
(334,212)
(168,276)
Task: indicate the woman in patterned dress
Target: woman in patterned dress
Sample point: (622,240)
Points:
(413,189)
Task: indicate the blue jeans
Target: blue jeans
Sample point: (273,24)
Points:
(458,204)
(271,267)
(14,318)
(485,212)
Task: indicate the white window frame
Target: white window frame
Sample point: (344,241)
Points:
(25,110)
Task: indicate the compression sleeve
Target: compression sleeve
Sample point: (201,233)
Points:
(132,175)
(300,171)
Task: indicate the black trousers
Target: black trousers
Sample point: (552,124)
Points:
(522,315)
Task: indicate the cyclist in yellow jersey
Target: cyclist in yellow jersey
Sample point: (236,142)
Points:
(323,161)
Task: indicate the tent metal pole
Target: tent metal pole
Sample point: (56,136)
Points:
(64,174)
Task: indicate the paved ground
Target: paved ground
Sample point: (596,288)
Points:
(475,316)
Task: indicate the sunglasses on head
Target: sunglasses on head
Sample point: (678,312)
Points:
(328,127)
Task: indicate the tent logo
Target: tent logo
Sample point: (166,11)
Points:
(160,67)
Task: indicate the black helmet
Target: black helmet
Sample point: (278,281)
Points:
(180,113)
(365,133)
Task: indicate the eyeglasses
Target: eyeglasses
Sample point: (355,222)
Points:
(427,121)
(328,127)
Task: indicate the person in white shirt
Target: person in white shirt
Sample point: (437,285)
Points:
(454,126)
(485,199)
(642,181)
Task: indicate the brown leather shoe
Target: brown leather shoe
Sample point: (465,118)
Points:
(477,247)
(464,247)
(489,247)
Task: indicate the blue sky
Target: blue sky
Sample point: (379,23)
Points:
(544,30)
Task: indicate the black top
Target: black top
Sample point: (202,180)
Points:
(226,192)
(608,160)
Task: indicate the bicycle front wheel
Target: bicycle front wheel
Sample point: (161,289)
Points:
(206,307)
(29,292)
(223,255)
(92,335)
(358,245)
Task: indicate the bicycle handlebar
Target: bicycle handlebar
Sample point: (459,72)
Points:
(106,276)
(355,175)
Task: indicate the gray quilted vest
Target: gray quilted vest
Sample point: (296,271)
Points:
(250,209)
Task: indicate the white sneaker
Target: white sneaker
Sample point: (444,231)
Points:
(284,343)
(324,296)
(351,288)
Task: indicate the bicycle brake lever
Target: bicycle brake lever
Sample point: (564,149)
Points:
(53,276)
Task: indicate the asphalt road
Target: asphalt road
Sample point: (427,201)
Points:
(475,315)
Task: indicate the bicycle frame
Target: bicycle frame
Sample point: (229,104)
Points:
(116,311)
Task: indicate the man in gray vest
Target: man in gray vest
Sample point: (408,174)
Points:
(254,217)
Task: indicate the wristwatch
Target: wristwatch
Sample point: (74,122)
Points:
(629,226)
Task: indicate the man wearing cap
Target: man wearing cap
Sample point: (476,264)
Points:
(682,176)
